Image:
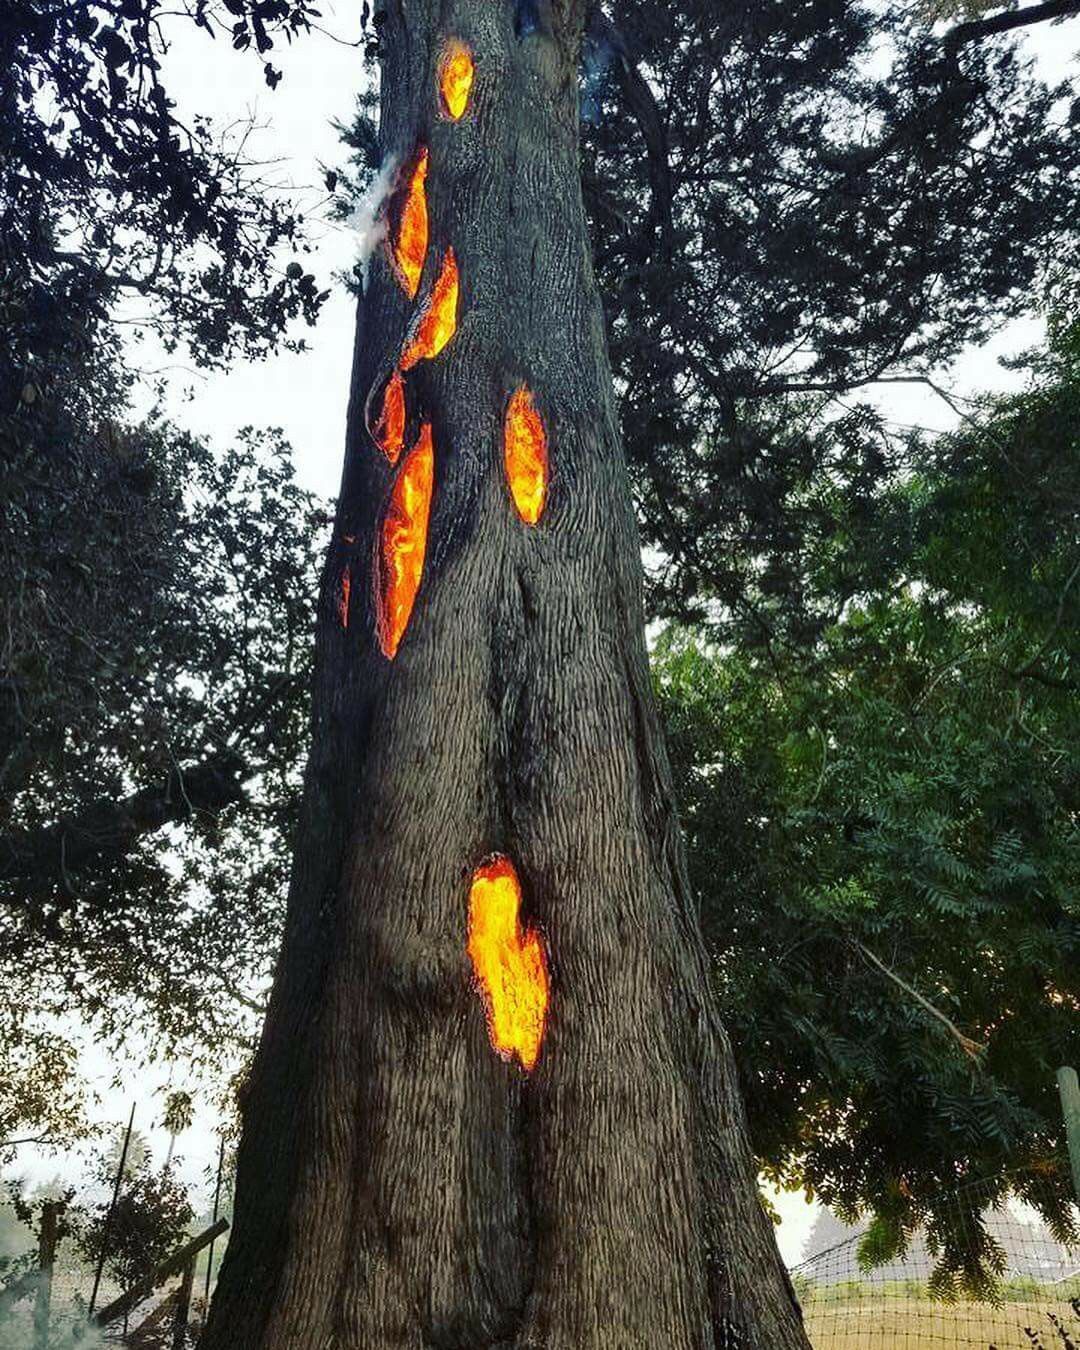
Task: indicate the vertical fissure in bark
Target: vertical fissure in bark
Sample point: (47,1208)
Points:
(400,1182)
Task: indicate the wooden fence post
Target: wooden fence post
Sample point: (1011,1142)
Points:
(176,1263)
(47,1239)
(1069,1087)
(183,1306)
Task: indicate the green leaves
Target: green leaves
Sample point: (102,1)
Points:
(147,205)
(157,599)
(883,834)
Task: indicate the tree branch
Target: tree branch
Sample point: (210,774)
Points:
(642,105)
(970,1048)
(108,829)
(975,29)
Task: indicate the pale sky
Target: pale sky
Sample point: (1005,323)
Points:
(306,396)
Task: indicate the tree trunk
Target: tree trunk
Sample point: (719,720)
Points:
(400,1183)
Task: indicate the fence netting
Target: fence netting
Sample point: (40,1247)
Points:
(1018,1241)
(995,1271)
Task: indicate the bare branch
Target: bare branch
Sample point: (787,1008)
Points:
(970,1048)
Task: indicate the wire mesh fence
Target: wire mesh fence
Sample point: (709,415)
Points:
(998,1269)
(149,1325)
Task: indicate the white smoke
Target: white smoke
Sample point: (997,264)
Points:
(597,56)
(368,216)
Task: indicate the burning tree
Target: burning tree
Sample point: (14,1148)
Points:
(493,1103)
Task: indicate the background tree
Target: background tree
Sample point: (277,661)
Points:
(108,193)
(156,602)
(179,1116)
(151,1218)
(155,593)
(827,222)
(883,836)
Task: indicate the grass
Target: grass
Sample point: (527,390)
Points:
(902,1317)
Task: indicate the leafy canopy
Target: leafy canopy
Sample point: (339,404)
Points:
(106,189)
(156,603)
(883,834)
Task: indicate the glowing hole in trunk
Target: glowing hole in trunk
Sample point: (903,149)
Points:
(438,323)
(410,246)
(525,455)
(456,71)
(404,541)
(343,596)
(510,966)
(390,430)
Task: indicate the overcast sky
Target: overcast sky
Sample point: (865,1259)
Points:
(306,395)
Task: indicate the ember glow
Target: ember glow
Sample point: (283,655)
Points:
(438,323)
(410,246)
(510,966)
(343,596)
(403,542)
(390,429)
(525,455)
(456,71)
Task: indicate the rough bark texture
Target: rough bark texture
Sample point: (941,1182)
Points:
(399,1184)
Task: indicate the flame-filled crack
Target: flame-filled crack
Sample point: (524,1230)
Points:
(438,323)
(525,456)
(403,541)
(509,964)
(410,243)
(344,588)
(456,72)
(390,428)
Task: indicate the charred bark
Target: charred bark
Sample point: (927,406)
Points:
(399,1183)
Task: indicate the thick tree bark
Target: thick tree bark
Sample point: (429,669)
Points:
(399,1183)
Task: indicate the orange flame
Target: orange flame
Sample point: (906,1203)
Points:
(410,247)
(510,966)
(525,454)
(438,324)
(343,596)
(404,541)
(390,429)
(456,71)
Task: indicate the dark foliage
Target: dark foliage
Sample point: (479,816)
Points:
(883,838)
(105,191)
(156,603)
(853,200)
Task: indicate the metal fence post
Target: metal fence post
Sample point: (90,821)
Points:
(109,1212)
(1069,1087)
(217,1202)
